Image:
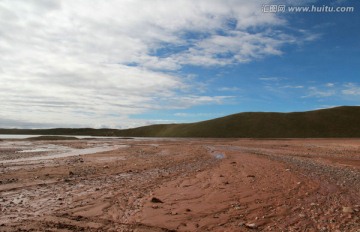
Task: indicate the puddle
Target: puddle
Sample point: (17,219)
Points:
(68,153)
(47,148)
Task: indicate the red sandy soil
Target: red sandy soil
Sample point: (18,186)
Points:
(184,185)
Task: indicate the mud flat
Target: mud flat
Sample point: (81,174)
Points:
(180,185)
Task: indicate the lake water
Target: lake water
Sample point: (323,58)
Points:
(5,136)
(68,153)
(2,136)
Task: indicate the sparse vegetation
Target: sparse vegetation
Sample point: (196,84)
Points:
(53,138)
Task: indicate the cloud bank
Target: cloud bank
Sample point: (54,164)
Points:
(98,63)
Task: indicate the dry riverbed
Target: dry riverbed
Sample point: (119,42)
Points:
(180,185)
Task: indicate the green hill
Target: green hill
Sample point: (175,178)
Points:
(339,122)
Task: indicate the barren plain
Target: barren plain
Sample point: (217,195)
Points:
(180,185)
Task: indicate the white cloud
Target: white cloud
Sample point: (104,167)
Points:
(319,93)
(234,47)
(184,102)
(197,115)
(97,63)
(292,87)
(330,85)
(327,107)
(229,89)
(351,89)
(271,78)
(342,91)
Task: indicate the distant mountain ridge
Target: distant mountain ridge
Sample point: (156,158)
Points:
(338,122)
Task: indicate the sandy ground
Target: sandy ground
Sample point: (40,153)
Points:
(180,185)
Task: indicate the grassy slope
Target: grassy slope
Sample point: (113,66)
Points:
(335,122)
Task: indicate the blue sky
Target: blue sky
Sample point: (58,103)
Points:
(124,64)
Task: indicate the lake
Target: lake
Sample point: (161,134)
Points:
(4,136)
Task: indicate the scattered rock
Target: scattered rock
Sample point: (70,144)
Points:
(9,181)
(250,176)
(219,156)
(347,210)
(156,200)
(251,225)
(188,210)
(71,173)
(302,215)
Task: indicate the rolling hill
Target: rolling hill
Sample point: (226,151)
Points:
(338,122)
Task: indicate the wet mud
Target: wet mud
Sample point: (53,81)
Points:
(180,185)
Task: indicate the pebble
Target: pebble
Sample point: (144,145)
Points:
(347,210)
(251,225)
(156,200)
